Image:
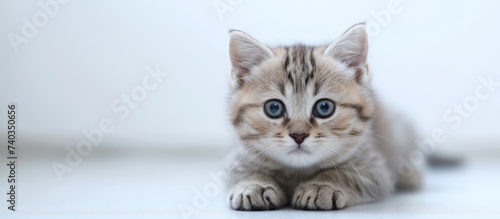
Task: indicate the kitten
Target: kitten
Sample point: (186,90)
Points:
(311,132)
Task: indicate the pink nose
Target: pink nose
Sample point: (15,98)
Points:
(299,138)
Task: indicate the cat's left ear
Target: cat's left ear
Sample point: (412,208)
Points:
(245,53)
(352,49)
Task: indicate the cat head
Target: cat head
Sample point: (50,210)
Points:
(300,105)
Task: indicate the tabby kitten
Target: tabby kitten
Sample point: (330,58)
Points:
(311,133)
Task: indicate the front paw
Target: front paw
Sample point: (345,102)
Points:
(318,196)
(254,196)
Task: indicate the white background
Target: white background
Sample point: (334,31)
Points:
(425,59)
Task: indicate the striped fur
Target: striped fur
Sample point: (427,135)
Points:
(341,162)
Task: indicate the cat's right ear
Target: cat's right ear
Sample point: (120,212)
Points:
(245,53)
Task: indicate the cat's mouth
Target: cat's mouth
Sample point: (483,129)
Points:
(299,150)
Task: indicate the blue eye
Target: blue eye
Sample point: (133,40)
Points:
(324,108)
(274,109)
